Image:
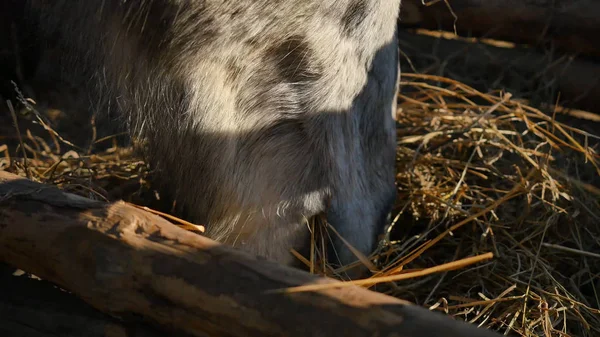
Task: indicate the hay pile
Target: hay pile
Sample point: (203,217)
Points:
(479,175)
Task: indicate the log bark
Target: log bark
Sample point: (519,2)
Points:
(523,71)
(30,307)
(129,263)
(571,25)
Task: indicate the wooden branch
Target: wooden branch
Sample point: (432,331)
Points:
(127,262)
(571,25)
(523,70)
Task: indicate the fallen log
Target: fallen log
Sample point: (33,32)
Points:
(130,263)
(30,307)
(576,82)
(571,25)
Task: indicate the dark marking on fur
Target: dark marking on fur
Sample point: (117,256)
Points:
(295,60)
(186,27)
(354,15)
(233,71)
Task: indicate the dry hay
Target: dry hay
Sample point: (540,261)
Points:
(497,220)
(485,174)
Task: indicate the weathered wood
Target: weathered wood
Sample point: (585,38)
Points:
(571,25)
(30,307)
(127,262)
(575,81)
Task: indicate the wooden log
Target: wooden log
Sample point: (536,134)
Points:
(130,263)
(30,307)
(576,82)
(571,25)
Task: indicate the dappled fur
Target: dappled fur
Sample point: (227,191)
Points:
(257,114)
